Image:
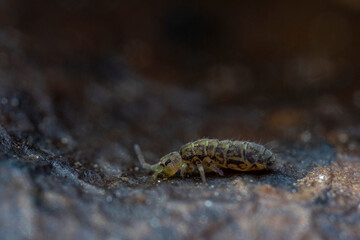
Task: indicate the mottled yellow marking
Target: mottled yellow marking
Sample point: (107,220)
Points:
(208,161)
(213,145)
(245,147)
(206,145)
(225,153)
(193,148)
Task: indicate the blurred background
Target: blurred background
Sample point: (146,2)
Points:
(187,69)
(298,49)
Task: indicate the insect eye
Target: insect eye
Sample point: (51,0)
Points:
(167,162)
(162,165)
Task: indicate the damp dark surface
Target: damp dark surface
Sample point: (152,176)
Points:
(81,83)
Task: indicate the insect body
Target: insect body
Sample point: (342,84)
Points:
(211,155)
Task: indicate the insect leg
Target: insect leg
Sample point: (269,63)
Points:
(184,168)
(155,175)
(216,169)
(202,172)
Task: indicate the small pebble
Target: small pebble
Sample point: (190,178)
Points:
(208,203)
(109,198)
(64,140)
(4,100)
(154,222)
(343,137)
(77,164)
(305,136)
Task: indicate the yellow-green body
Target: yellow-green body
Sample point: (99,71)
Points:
(236,155)
(212,155)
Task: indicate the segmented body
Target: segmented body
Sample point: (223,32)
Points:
(211,155)
(236,155)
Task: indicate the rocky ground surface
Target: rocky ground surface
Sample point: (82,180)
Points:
(68,169)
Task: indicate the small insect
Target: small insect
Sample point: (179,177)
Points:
(208,155)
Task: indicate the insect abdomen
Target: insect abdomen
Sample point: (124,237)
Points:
(237,155)
(217,151)
(198,150)
(246,156)
(221,152)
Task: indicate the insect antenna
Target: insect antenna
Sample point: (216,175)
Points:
(141,158)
